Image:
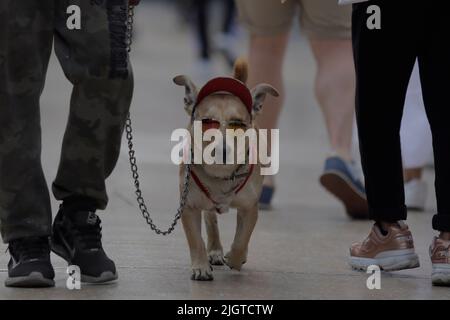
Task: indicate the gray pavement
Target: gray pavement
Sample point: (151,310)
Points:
(298,251)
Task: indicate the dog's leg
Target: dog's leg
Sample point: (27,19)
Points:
(192,224)
(214,247)
(246,221)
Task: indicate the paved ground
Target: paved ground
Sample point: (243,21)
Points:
(298,250)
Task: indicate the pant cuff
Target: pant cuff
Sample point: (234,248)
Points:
(14,232)
(441,222)
(388,214)
(79,203)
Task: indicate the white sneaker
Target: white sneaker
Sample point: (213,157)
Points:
(415,194)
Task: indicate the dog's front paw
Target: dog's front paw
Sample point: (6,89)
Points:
(216,258)
(235,259)
(202,273)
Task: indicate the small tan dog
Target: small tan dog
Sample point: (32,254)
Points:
(223,103)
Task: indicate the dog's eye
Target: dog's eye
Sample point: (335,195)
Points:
(210,124)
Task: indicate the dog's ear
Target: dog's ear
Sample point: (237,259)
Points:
(191,92)
(259,94)
(240,70)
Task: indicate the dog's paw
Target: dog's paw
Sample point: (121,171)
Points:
(202,273)
(216,258)
(235,260)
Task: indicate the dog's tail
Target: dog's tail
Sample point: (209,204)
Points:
(241,70)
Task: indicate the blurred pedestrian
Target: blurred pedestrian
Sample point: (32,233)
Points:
(210,44)
(328,28)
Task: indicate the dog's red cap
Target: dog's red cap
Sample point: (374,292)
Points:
(228,85)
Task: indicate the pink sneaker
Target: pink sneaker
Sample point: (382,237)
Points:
(440,261)
(393,251)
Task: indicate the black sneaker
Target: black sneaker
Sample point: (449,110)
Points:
(77,238)
(30,266)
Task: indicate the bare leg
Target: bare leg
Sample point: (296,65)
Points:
(192,224)
(246,221)
(266,59)
(268,52)
(335,84)
(214,248)
(335,91)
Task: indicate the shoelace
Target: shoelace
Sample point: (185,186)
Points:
(89,235)
(445,252)
(442,251)
(30,248)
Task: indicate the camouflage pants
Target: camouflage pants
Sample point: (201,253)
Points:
(95,61)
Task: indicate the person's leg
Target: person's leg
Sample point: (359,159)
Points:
(335,91)
(225,41)
(269,23)
(230,12)
(203,67)
(383,76)
(268,51)
(434,68)
(327,26)
(383,68)
(202,27)
(95,60)
(26,33)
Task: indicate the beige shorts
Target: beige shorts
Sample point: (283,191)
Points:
(318,18)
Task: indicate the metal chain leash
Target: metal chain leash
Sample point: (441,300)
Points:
(133,162)
(130,22)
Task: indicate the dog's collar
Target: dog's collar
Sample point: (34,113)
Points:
(236,189)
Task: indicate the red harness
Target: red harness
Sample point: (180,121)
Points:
(205,190)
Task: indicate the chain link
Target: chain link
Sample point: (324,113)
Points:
(139,197)
(130,22)
(133,162)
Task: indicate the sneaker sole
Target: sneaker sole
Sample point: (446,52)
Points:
(389,261)
(440,275)
(33,280)
(106,276)
(338,185)
(415,208)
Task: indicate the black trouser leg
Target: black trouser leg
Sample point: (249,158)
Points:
(384,60)
(26,37)
(434,63)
